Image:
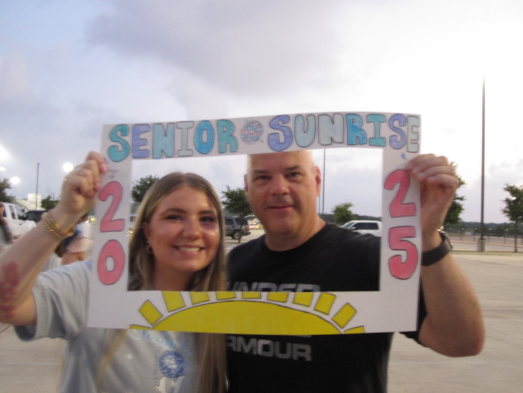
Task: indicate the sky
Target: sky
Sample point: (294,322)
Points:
(68,67)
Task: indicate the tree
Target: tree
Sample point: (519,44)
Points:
(456,208)
(4,186)
(235,202)
(141,186)
(342,213)
(48,202)
(514,209)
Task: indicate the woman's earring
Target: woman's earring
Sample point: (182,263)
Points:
(149,249)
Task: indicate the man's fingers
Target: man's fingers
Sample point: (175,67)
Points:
(437,169)
(444,180)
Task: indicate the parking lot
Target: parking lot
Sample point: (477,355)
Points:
(497,276)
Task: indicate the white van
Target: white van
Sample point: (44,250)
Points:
(15,217)
(364,226)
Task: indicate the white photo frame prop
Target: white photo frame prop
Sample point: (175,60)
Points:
(392,308)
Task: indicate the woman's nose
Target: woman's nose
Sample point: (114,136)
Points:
(191,228)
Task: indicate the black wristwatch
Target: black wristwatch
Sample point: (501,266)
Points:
(430,257)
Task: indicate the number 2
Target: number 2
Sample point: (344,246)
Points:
(398,208)
(108,224)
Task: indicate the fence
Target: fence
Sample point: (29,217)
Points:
(490,236)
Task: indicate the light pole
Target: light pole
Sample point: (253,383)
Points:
(36,195)
(482,244)
(324,176)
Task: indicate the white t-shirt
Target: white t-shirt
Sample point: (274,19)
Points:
(146,361)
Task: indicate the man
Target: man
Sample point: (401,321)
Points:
(300,252)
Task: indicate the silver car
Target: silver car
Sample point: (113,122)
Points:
(232,227)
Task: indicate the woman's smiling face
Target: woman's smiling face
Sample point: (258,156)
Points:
(184,235)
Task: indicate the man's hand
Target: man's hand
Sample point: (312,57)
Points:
(438,185)
(453,326)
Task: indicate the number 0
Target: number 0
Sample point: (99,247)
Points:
(112,249)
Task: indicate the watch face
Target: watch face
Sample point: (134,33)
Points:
(446,238)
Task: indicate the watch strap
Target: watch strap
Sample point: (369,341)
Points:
(430,257)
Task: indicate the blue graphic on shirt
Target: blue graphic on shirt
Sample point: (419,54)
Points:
(172,364)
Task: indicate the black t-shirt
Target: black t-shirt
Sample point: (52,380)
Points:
(332,260)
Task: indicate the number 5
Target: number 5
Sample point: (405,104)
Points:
(398,268)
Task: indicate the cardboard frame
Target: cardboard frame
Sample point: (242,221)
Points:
(393,308)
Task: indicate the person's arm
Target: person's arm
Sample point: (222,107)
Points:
(453,325)
(22,262)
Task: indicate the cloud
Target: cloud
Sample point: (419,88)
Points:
(15,80)
(246,47)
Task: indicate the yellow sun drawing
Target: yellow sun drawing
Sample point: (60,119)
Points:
(281,313)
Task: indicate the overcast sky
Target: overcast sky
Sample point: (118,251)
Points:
(68,67)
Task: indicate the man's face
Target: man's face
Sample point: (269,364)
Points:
(282,189)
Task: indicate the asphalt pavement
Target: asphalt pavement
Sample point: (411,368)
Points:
(497,276)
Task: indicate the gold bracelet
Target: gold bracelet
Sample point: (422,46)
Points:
(53,227)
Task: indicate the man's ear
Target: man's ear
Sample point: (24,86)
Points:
(317,178)
(245,184)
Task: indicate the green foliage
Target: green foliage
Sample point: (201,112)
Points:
(4,186)
(342,213)
(49,202)
(456,208)
(235,202)
(514,209)
(141,186)
(514,204)
(327,217)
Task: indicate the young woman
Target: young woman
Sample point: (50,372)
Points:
(177,244)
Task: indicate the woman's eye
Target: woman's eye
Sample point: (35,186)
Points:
(208,219)
(173,217)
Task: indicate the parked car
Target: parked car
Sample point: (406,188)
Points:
(232,227)
(364,226)
(132,219)
(17,219)
(254,225)
(34,215)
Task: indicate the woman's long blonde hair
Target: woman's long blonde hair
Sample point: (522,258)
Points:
(141,266)
(210,347)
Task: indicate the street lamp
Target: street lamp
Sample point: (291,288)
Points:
(15,180)
(36,195)
(67,167)
(4,154)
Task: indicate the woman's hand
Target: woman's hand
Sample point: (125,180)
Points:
(81,185)
(21,263)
